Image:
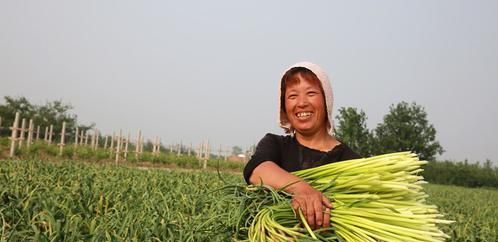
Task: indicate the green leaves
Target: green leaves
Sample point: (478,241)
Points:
(76,201)
(51,113)
(352,130)
(405,128)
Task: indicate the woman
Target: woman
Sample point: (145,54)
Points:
(306,116)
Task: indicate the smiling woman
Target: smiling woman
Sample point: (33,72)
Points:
(305,108)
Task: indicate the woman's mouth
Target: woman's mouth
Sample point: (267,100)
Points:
(303,115)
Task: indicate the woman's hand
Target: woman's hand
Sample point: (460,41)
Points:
(314,205)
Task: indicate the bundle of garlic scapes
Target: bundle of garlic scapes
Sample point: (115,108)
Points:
(375,199)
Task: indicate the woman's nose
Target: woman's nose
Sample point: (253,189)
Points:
(302,101)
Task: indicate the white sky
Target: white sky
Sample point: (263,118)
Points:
(188,71)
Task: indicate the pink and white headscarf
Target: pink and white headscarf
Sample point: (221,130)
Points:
(327,92)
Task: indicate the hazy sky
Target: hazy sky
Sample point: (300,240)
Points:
(189,71)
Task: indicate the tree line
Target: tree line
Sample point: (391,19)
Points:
(406,128)
(51,113)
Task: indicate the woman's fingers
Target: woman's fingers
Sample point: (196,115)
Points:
(327,205)
(299,203)
(314,205)
(326,202)
(326,218)
(314,210)
(318,213)
(310,215)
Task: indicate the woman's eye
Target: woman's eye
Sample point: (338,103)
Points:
(312,93)
(292,96)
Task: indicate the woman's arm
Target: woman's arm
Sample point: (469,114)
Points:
(314,205)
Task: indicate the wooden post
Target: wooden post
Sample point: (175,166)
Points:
(13,137)
(197,155)
(105,142)
(157,146)
(63,134)
(21,136)
(76,133)
(190,149)
(141,145)
(93,139)
(45,138)
(208,150)
(179,150)
(37,132)
(82,137)
(86,138)
(97,135)
(199,151)
(126,146)
(227,152)
(112,141)
(30,133)
(137,146)
(118,146)
(206,155)
(219,153)
(111,148)
(50,134)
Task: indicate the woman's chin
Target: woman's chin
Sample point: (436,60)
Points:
(305,130)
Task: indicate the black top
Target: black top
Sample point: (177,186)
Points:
(289,154)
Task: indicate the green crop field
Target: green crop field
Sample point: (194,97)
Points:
(41,201)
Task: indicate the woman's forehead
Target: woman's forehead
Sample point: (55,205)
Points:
(303,79)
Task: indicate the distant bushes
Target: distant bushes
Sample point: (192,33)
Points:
(41,150)
(461,173)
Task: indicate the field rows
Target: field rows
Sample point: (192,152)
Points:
(72,201)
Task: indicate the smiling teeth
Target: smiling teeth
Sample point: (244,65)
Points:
(303,114)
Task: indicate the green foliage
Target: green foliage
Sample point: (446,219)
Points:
(406,128)
(474,211)
(462,173)
(13,105)
(83,202)
(43,201)
(352,129)
(4,142)
(102,154)
(68,152)
(226,165)
(147,156)
(51,113)
(236,150)
(85,153)
(37,150)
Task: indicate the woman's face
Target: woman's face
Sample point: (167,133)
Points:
(304,106)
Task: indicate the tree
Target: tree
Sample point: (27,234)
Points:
(352,130)
(405,128)
(13,105)
(236,150)
(52,113)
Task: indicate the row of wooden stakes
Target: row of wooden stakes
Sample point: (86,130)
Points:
(119,144)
